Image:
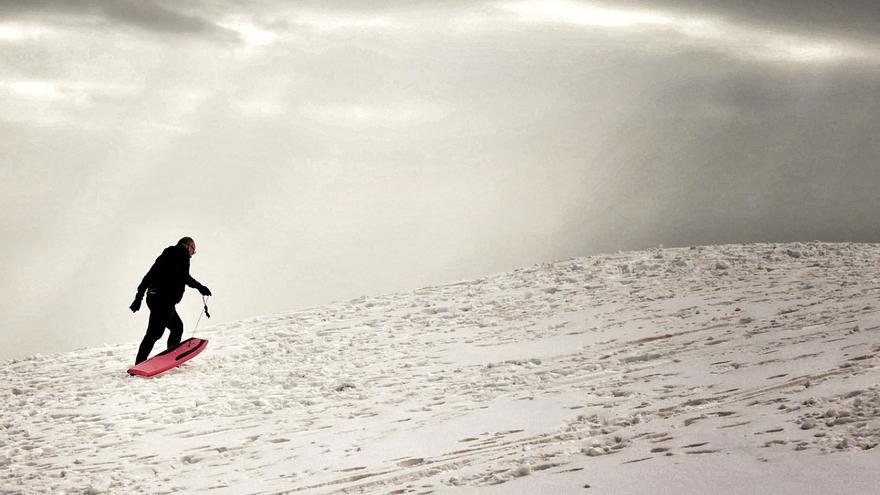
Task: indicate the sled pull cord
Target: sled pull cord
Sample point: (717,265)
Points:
(205,311)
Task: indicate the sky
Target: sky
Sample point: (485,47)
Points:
(319,151)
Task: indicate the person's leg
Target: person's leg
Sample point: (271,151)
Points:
(175,325)
(155,329)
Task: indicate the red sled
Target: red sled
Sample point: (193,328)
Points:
(170,358)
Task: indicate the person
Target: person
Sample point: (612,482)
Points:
(164,284)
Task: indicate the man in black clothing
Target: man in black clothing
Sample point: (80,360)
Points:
(164,286)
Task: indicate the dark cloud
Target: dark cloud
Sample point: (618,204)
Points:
(148,15)
(356,6)
(155,17)
(851,18)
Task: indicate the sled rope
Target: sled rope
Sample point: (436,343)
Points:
(205,312)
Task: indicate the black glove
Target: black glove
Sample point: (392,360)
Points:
(136,305)
(205,291)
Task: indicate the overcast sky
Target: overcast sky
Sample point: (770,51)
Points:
(317,151)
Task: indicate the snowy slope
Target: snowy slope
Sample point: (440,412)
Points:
(724,369)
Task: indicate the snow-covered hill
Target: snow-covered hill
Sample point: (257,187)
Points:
(723,369)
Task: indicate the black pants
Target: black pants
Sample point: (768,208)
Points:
(162,316)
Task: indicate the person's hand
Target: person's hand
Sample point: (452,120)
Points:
(205,291)
(136,305)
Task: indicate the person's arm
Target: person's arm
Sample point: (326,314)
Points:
(144,285)
(196,285)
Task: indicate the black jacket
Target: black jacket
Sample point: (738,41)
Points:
(168,275)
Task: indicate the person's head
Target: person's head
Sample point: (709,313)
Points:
(189,244)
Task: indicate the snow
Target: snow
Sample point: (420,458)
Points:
(726,369)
